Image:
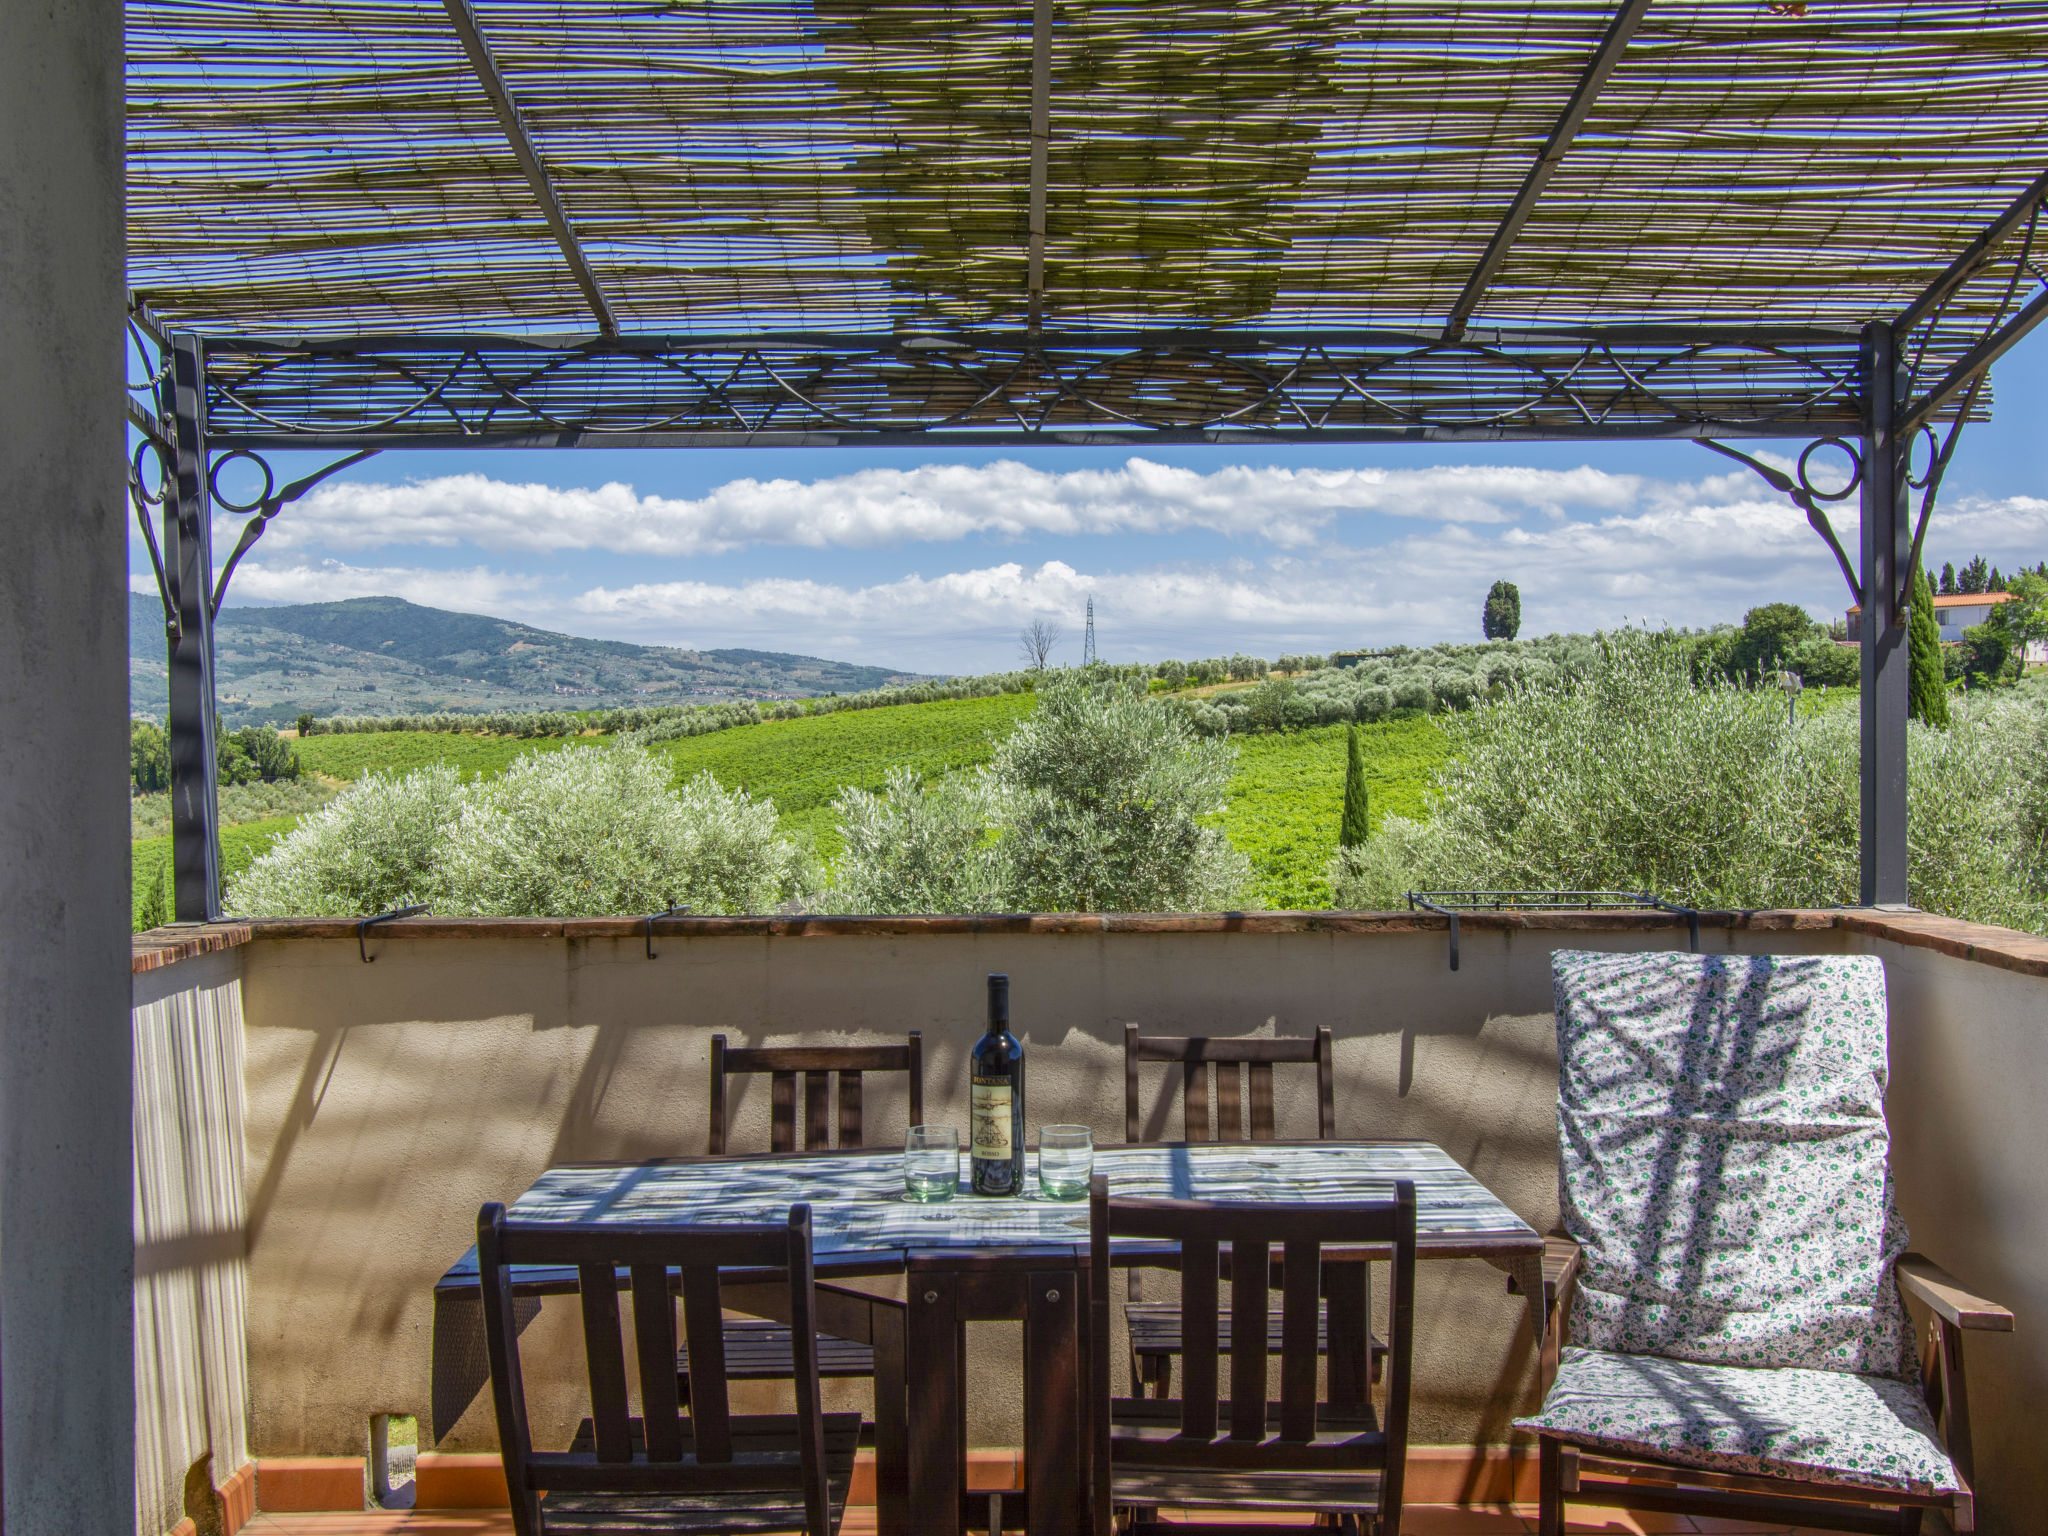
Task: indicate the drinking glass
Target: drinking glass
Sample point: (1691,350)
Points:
(931,1163)
(1066,1158)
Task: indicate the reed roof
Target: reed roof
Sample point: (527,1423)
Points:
(884,167)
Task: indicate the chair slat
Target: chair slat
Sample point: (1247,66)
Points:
(782,1113)
(1198,1300)
(1132,1124)
(1261,1074)
(605,1354)
(1299,1311)
(1326,1084)
(1250,1281)
(849,1109)
(704,1325)
(654,1338)
(1195,1102)
(817,1111)
(1229,1102)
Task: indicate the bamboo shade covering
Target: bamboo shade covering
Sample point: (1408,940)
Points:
(864,168)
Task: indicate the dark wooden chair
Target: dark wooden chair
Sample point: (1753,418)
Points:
(1343,1461)
(755,1349)
(816,1064)
(705,1471)
(1155,1326)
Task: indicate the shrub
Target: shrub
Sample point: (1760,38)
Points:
(375,846)
(918,848)
(559,834)
(1103,798)
(1096,802)
(1413,692)
(1634,777)
(562,834)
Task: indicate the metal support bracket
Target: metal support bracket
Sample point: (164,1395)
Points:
(267,504)
(1450,903)
(655,917)
(1416,900)
(363,927)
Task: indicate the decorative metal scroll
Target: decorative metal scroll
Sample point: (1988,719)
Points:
(1012,387)
(1938,392)
(150,473)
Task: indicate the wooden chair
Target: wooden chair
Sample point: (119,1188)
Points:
(816,1063)
(1155,1327)
(1342,1461)
(1201,1056)
(707,1471)
(1801,1415)
(756,1349)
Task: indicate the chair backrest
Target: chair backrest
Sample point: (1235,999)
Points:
(1201,1056)
(1205,1231)
(1724,1159)
(671,1453)
(815,1064)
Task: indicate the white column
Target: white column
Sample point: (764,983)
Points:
(66,1354)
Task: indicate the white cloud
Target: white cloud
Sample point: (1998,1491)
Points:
(1613,549)
(477,589)
(1292,508)
(1684,560)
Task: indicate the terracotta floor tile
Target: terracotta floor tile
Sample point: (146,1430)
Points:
(1623,1522)
(1459,1520)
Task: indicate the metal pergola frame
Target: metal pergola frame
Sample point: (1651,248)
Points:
(1891,394)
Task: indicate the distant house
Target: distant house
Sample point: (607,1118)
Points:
(1964,610)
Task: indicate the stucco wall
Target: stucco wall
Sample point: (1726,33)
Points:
(387,1101)
(1969,1118)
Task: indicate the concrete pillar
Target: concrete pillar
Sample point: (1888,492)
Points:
(67,1390)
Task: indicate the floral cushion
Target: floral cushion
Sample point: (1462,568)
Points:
(1821,1426)
(1725,1162)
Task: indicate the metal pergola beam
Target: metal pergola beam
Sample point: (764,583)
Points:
(1041,152)
(1972,363)
(1014,387)
(1975,254)
(486,69)
(1612,47)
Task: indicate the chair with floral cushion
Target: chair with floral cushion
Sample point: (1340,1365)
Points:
(1730,1285)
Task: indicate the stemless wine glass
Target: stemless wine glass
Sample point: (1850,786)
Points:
(1066,1157)
(931,1163)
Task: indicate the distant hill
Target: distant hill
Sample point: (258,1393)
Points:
(385,656)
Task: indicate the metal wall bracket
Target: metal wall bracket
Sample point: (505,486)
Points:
(655,917)
(1450,903)
(363,927)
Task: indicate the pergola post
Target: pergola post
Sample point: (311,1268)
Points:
(1886,547)
(188,562)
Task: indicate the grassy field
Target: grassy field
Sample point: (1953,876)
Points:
(239,847)
(1282,813)
(802,764)
(352,755)
(1288,794)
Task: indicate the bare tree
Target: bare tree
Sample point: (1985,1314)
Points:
(1036,643)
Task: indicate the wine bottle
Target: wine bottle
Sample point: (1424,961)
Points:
(996,1097)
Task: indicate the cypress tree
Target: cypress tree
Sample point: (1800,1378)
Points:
(1926,692)
(1948,579)
(1355,828)
(1502,616)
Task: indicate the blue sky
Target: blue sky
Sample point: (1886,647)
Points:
(933,562)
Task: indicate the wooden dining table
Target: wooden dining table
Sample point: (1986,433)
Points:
(975,1259)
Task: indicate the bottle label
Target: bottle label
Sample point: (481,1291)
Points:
(990,1098)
